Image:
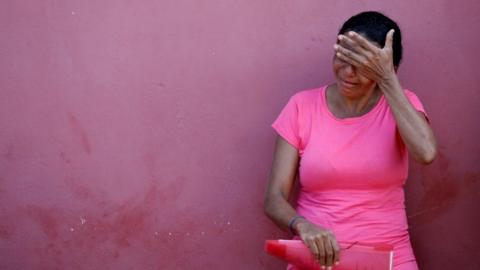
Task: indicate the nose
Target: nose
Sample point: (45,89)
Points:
(349,69)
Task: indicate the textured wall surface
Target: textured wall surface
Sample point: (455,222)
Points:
(135,134)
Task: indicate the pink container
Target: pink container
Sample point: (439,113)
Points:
(352,256)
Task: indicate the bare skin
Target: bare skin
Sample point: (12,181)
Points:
(376,64)
(364,71)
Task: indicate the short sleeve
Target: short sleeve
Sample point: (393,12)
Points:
(287,125)
(416,103)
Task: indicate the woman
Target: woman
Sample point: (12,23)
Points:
(350,142)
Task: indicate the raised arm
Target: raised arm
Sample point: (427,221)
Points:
(377,64)
(412,124)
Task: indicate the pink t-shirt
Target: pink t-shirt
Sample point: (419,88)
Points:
(351,171)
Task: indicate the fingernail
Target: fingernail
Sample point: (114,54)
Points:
(340,37)
(337,263)
(351,33)
(323,266)
(329,268)
(335,46)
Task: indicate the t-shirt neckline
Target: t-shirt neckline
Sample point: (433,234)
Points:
(323,94)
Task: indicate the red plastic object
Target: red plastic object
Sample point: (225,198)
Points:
(352,256)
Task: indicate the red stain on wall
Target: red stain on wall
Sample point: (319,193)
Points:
(471,179)
(65,158)
(110,229)
(79,191)
(6,229)
(440,190)
(80,132)
(104,231)
(9,155)
(47,219)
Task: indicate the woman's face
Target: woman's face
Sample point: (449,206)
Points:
(350,82)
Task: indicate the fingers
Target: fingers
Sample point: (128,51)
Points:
(349,56)
(329,253)
(367,45)
(332,250)
(389,39)
(322,244)
(321,251)
(352,45)
(370,60)
(312,245)
(327,250)
(336,250)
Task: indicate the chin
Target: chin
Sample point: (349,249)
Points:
(346,91)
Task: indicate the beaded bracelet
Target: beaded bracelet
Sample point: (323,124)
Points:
(292,222)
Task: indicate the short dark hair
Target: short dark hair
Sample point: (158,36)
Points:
(375,26)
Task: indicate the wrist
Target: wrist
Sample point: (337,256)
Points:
(388,82)
(297,224)
(293,224)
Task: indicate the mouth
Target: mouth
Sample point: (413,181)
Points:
(348,83)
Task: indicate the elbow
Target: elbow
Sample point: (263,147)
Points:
(428,156)
(270,205)
(267,206)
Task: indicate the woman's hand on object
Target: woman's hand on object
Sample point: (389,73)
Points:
(371,61)
(320,241)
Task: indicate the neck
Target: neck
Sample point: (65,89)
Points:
(354,105)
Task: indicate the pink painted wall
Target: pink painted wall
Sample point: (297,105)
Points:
(135,134)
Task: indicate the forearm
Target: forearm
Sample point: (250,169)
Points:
(279,210)
(412,125)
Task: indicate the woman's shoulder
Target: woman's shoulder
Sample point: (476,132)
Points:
(409,92)
(414,100)
(308,96)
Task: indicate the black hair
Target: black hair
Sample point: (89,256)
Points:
(375,26)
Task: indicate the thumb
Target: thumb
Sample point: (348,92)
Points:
(389,39)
